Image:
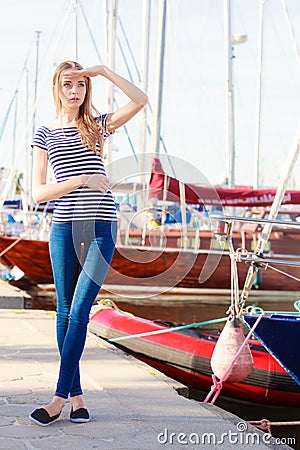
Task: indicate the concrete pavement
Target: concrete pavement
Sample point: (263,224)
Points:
(11,297)
(132,406)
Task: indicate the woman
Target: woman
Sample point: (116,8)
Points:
(84,214)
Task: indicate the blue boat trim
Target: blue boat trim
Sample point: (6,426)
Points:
(280,335)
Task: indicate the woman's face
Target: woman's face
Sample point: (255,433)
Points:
(72,91)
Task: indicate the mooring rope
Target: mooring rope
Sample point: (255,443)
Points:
(265,424)
(10,246)
(243,252)
(168,330)
(283,273)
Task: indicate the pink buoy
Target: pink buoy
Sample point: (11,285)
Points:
(227,346)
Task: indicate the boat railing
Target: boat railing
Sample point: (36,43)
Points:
(255,259)
(175,235)
(257,220)
(28,225)
(157,236)
(223,228)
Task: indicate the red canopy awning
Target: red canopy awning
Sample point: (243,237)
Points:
(209,195)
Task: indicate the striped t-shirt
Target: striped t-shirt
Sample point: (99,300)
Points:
(68,158)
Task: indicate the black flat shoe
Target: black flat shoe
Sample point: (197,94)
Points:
(41,417)
(81,415)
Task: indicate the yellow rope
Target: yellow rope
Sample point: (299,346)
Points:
(108,303)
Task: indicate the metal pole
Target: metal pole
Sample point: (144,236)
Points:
(257,159)
(34,109)
(15,127)
(144,120)
(144,85)
(111,55)
(36,80)
(27,148)
(229,94)
(75,29)
(160,67)
(291,31)
(183,213)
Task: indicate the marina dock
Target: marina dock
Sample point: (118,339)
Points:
(11,297)
(132,406)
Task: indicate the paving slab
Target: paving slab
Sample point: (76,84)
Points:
(11,297)
(132,406)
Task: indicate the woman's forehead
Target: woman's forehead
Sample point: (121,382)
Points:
(74,78)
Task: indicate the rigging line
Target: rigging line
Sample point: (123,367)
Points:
(168,330)
(127,135)
(291,30)
(47,70)
(3,125)
(169,159)
(100,59)
(131,79)
(282,272)
(139,77)
(28,124)
(4,122)
(130,49)
(24,68)
(58,31)
(234,307)
(50,62)
(90,32)
(161,140)
(124,58)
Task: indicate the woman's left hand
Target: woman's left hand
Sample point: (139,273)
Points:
(98,182)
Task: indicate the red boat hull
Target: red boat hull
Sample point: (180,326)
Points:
(186,358)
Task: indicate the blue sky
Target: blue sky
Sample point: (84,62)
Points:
(193,114)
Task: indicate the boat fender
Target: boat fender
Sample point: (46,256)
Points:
(227,346)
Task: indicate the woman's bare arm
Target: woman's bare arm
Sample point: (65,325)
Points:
(44,192)
(138,99)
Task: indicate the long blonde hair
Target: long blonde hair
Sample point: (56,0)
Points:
(88,127)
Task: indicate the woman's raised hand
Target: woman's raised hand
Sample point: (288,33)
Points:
(92,71)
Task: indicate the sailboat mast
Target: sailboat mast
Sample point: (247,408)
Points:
(75,29)
(29,168)
(27,148)
(37,47)
(229,94)
(161,32)
(15,127)
(144,86)
(257,155)
(111,57)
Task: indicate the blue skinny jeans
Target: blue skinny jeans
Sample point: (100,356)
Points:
(79,272)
